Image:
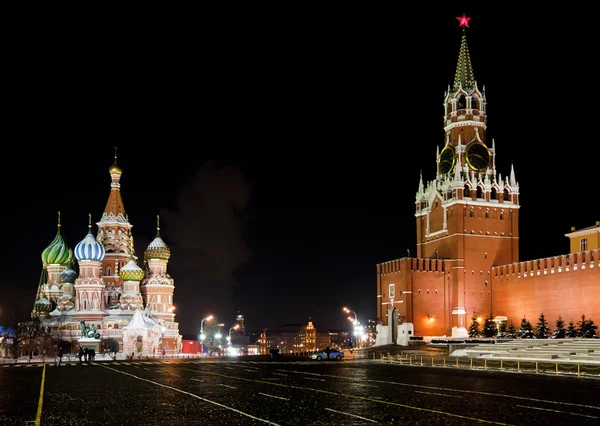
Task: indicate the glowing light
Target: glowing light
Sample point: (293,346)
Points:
(464,21)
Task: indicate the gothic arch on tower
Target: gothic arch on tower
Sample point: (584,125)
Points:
(393,322)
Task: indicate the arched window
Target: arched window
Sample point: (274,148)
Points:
(501,215)
(471,213)
(467,192)
(494,194)
(108,270)
(462,102)
(487,215)
(479,192)
(506,195)
(474,103)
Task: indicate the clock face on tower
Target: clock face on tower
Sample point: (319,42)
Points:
(478,156)
(447,159)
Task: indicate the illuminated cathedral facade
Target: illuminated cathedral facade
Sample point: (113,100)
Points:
(100,285)
(467,222)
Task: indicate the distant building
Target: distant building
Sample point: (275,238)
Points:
(293,339)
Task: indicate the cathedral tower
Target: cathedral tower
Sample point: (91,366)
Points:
(157,288)
(114,233)
(89,286)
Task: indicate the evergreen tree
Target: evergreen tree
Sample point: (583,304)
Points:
(526,330)
(511,330)
(581,326)
(571,330)
(588,329)
(559,331)
(542,327)
(474,327)
(489,327)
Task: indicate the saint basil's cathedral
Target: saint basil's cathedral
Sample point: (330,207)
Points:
(467,222)
(129,309)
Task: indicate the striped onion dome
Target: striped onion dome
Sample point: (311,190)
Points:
(157,249)
(89,248)
(43,305)
(131,272)
(68,275)
(57,253)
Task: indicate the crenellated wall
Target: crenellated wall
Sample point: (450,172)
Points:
(565,285)
(420,294)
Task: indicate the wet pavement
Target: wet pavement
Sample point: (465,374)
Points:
(242,392)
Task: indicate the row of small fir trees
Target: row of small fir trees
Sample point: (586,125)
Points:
(584,328)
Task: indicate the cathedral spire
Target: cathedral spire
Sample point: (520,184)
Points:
(115,210)
(464,77)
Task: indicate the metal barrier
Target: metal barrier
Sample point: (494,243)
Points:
(539,367)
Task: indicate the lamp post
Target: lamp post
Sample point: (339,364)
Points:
(355,321)
(208,318)
(162,340)
(235,327)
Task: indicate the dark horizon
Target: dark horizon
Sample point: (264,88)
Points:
(291,228)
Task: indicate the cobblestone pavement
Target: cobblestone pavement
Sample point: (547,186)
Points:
(241,392)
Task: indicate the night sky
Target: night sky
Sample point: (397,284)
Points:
(288,221)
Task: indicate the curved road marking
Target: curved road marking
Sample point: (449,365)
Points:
(38,416)
(556,411)
(352,415)
(190,394)
(450,390)
(364,398)
(273,396)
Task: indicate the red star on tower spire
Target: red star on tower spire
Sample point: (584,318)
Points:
(464,21)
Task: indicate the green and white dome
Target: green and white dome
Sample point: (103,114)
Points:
(131,272)
(57,253)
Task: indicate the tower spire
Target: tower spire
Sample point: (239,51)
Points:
(115,210)
(464,70)
(89,221)
(157,224)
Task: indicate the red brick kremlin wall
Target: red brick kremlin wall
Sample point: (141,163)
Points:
(566,285)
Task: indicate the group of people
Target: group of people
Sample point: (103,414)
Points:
(88,354)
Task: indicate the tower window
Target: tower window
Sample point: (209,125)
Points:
(471,213)
(474,103)
(487,215)
(479,193)
(462,102)
(506,197)
(501,215)
(583,244)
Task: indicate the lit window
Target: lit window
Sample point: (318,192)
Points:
(392,291)
(583,245)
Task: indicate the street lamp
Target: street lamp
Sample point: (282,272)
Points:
(208,318)
(235,327)
(350,310)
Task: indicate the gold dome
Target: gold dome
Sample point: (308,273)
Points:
(115,169)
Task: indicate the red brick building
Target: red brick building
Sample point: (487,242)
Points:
(467,259)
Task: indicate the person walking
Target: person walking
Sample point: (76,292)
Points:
(60,355)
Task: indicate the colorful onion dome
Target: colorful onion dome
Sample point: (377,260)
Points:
(89,248)
(131,272)
(157,249)
(68,275)
(43,305)
(57,253)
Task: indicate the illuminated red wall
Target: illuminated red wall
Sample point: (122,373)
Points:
(191,347)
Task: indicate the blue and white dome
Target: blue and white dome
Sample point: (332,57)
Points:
(89,248)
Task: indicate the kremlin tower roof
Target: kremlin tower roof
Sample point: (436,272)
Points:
(131,271)
(57,253)
(115,210)
(464,77)
(89,248)
(157,249)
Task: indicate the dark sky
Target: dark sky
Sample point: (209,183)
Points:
(288,221)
